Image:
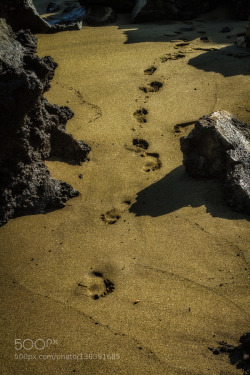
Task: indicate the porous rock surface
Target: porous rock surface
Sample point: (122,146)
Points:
(22,14)
(219,147)
(31,130)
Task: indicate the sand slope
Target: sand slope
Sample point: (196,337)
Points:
(141,224)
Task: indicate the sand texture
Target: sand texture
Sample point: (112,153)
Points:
(147,264)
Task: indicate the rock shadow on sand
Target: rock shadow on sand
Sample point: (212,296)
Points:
(228,61)
(177,190)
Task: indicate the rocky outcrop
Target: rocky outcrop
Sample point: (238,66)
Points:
(248,33)
(31,130)
(21,14)
(241,8)
(145,10)
(169,9)
(121,6)
(219,147)
(98,16)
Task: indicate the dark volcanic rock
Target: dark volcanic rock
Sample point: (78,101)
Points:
(248,33)
(239,355)
(31,130)
(121,6)
(149,10)
(100,16)
(73,15)
(21,14)
(169,9)
(219,147)
(241,8)
(52,7)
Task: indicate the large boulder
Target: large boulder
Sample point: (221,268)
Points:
(31,130)
(219,147)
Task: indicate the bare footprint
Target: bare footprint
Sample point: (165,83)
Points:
(94,285)
(112,216)
(169,56)
(149,71)
(152,160)
(140,143)
(140,115)
(152,87)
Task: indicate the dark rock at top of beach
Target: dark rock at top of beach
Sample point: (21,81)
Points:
(21,14)
(185,9)
(121,6)
(219,147)
(52,7)
(169,9)
(149,10)
(241,8)
(31,130)
(98,16)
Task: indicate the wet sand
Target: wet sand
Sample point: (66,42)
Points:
(147,267)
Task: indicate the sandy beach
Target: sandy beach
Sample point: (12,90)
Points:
(148,267)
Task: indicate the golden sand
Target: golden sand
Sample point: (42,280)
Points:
(176,255)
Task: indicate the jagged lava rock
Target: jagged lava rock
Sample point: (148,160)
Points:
(31,130)
(22,14)
(219,147)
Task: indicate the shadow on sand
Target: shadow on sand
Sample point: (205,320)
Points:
(176,190)
(228,61)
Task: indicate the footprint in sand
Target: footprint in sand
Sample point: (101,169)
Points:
(149,71)
(141,115)
(169,56)
(111,217)
(152,87)
(140,143)
(153,162)
(152,159)
(94,285)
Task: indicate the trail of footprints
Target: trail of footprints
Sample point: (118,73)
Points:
(139,145)
(152,163)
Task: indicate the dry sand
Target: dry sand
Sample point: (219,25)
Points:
(140,222)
